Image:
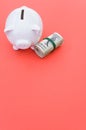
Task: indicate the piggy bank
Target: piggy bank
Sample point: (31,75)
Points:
(23,28)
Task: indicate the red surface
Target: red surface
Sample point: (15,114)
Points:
(49,93)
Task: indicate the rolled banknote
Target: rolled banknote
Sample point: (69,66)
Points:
(49,44)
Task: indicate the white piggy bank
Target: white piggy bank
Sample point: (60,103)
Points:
(23,28)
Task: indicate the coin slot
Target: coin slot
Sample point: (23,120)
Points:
(22,14)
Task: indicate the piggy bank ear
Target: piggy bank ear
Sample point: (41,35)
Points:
(9,28)
(36,29)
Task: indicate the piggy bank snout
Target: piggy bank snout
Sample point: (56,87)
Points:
(22,44)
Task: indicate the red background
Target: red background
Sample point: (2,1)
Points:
(49,93)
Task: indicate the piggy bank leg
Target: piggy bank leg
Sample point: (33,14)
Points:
(32,47)
(15,48)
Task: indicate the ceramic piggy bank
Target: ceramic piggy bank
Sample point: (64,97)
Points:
(23,28)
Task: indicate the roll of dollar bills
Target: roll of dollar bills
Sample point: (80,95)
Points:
(48,44)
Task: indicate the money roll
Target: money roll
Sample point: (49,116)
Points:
(48,44)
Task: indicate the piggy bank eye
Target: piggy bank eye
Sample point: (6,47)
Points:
(22,14)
